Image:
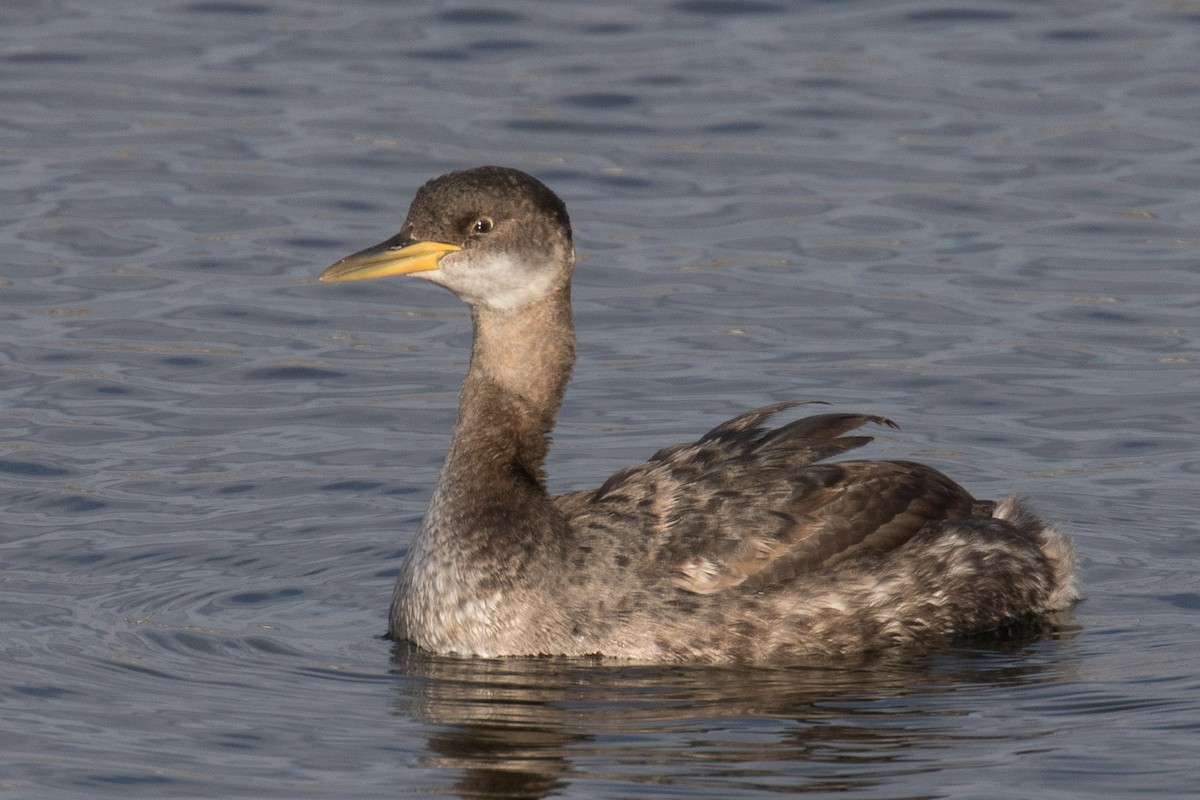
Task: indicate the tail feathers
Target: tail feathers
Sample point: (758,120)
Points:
(1055,545)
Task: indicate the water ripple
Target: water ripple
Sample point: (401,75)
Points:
(978,219)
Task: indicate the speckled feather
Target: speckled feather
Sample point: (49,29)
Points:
(747,545)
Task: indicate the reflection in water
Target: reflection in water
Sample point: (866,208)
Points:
(526,727)
(983,227)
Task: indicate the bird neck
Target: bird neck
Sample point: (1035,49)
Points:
(491,529)
(520,364)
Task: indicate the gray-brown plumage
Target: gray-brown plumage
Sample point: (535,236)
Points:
(747,545)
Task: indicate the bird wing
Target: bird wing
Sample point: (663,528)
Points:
(751,506)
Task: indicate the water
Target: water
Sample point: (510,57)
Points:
(978,219)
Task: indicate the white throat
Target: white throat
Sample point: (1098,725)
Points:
(500,283)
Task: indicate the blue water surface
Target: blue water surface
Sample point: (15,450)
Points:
(979,219)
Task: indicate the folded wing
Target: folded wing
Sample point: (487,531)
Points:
(753,507)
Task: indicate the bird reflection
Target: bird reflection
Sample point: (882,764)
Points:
(529,727)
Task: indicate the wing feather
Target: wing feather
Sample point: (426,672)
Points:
(752,507)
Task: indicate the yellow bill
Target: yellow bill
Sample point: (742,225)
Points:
(386,259)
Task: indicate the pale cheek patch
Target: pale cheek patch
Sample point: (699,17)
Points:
(501,283)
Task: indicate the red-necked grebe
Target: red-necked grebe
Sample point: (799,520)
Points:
(747,545)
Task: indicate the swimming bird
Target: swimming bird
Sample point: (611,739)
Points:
(748,545)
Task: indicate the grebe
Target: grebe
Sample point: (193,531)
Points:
(745,546)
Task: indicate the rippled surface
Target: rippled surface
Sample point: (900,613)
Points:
(978,219)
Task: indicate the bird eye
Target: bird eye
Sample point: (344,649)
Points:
(483,225)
